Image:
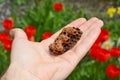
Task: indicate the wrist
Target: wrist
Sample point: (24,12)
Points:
(15,72)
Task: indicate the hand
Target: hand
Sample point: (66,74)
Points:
(35,58)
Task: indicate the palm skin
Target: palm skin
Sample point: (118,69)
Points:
(34,57)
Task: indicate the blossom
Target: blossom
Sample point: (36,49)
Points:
(6,41)
(100,54)
(7,44)
(8,24)
(58,7)
(112,71)
(111,11)
(115,52)
(30,31)
(4,36)
(93,53)
(104,35)
(96,45)
(107,44)
(118,10)
(46,35)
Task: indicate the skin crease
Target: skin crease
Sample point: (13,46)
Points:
(34,57)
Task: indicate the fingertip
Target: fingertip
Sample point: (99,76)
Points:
(94,18)
(18,33)
(82,19)
(101,23)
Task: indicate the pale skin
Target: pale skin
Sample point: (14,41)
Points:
(34,57)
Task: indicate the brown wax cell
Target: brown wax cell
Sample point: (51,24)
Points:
(65,41)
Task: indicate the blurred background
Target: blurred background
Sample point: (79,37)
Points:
(42,18)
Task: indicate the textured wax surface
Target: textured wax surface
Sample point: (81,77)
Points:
(65,41)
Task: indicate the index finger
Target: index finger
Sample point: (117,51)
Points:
(75,23)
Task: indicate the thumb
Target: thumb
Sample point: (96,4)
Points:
(18,34)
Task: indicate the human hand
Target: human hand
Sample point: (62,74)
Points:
(34,57)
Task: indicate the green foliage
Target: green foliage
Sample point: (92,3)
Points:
(113,27)
(4,59)
(118,2)
(19,2)
(45,18)
(89,69)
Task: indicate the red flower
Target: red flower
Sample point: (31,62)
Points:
(46,35)
(58,6)
(96,44)
(4,36)
(93,51)
(112,71)
(8,24)
(6,41)
(100,54)
(115,52)
(7,44)
(30,31)
(104,35)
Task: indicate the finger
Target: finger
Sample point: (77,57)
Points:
(71,60)
(76,54)
(84,27)
(85,44)
(96,26)
(18,34)
(98,23)
(80,23)
(75,23)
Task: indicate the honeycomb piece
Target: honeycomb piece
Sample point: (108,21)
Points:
(65,41)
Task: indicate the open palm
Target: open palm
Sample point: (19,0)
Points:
(35,57)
